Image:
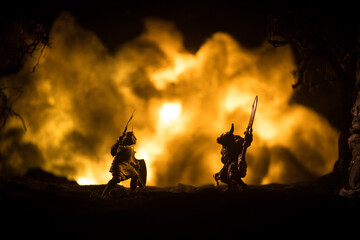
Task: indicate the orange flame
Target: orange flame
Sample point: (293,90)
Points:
(78,100)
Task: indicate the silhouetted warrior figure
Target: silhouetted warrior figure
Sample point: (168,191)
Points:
(233,154)
(125,165)
(232,147)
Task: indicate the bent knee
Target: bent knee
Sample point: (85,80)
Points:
(116,179)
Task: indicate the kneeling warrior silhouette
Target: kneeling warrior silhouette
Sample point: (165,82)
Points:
(233,154)
(125,165)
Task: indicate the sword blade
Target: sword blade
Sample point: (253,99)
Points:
(252,116)
(241,157)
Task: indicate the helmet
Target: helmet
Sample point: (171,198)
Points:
(227,138)
(130,138)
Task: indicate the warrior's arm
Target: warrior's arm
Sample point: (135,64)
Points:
(243,142)
(133,158)
(114,148)
(248,139)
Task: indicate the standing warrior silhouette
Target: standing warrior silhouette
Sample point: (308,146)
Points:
(233,154)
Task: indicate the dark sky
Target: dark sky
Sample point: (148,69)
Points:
(118,21)
(115,22)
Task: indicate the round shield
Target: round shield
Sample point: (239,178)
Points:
(142,172)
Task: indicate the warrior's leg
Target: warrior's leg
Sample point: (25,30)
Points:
(111,184)
(216,176)
(221,176)
(140,183)
(134,183)
(230,185)
(234,178)
(241,183)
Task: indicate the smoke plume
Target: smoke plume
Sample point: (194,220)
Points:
(80,97)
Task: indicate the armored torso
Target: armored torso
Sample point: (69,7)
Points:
(231,152)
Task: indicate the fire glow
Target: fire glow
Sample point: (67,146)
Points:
(170,112)
(77,103)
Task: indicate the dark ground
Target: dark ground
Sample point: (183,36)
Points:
(40,204)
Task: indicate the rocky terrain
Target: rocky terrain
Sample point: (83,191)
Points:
(41,204)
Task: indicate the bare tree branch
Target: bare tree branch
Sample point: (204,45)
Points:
(31,40)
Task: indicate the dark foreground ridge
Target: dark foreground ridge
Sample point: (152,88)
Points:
(41,204)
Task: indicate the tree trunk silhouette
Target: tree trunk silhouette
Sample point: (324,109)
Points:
(353,185)
(327,55)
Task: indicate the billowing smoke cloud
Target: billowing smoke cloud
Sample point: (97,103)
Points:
(16,155)
(77,102)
